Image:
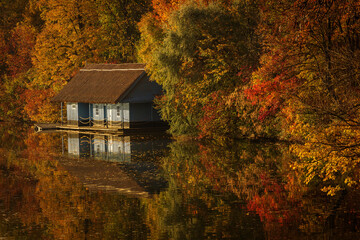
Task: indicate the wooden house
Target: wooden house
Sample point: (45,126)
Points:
(110,95)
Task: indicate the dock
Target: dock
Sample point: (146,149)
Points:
(40,127)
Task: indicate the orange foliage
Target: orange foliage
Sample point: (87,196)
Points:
(162,9)
(21,46)
(38,105)
(272,84)
(273,205)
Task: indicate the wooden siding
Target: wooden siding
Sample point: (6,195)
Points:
(72,113)
(143,112)
(112,115)
(98,114)
(108,113)
(143,92)
(118,115)
(78,114)
(118,112)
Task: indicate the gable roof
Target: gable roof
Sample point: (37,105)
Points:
(101,83)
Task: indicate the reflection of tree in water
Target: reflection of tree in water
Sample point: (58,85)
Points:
(53,204)
(228,180)
(217,191)
(191,208)
(17,199)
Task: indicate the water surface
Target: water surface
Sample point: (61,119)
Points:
(77,186)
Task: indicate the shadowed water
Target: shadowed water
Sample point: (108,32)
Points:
(78,186)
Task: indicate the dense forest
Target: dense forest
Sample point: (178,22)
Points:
(229,68)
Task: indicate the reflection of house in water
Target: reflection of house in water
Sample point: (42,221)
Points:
(130,162)
(105,147)
(113,147)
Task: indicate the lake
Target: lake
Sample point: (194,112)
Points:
(67,185)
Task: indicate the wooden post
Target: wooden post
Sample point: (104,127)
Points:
(61,113)
(89,114)
(106,115)
(122,116)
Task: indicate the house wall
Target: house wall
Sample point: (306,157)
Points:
(140,112)
(141,103)
(118,115)
(110,113)
(98,114)
(77,113)
(143,112)
(155,114)
(143,92)
(72,113)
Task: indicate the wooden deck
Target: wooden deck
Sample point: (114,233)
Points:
(39,127)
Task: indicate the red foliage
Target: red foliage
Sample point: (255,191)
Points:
(273,83)
(38,104)
(213,172)
(20,49)
(298,37)
(274,205)
(213,115)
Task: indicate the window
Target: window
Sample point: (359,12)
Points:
(73,106)
(97,110)
(118,111)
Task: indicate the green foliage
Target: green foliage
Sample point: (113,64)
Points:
(119,33)
(202,51)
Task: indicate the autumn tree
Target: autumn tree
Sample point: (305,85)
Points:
(309,79)
(17,38)
(119,33)
(76,32)
(198,53)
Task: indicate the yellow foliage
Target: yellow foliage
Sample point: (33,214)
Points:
(329,154)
